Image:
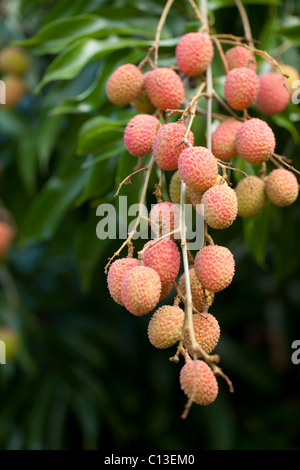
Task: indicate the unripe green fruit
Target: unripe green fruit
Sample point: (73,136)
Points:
(251,196)
(196,289)
(165,326)
(175,189)
(142,103)
(14,60)
(198,382)
(12,341)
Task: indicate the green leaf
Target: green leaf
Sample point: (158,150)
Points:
(283,121)
(256,233)
(290,29)
(50,206)
(216,4)
(97,132)
(26,160)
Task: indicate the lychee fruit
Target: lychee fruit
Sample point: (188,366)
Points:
(194,53)
(223,139)
(12,341)
(239,56)
(140,133)
(214,267)
(273,96)
(116,274)
(164,88)
(166,290)
(164,218)
(196,198)
(196,289)
(220,206)
(293,77)
(164,257)
(255,141)
(207,332)
(251,196)
(165,150)
(175,189)
(282,187)
(198,168)
(124,84)
(142,103)
(140,290)
(198,382)
(14,60)
(15,90)
(7,235)
(165,326)
(241,88)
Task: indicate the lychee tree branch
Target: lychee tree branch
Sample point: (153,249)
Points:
(246,23)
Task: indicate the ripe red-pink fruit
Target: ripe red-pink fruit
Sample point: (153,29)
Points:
(116,274)
(241,88)
(198,168)
(220,206)
(194,53)
(15,90)
(255,141)
(251,196)
(164,218)
(165,326)
(140,290)
(214,267)
(223,140)
(282,187)
(175,189)
(166,290)
(142,103)
(198,382)
(207,332)
(165,150)
(124,84)
(196,289)
(7,234)
(239,56)
(164,88)
(164,257)
(273,96)
(140,133)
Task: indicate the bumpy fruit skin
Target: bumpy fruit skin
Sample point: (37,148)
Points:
(251,196)
(7,235)
(164,218)
(241,88)
(124,84)
(116,274)
(196,289)
(196,198)
(164,258)
(175,189)
(12,342)
(214,267)
(273,96)
(165,326)
(166,290)
(15,90)
(239,56)
(255,141)
(198,382)
(170,93)
(164,152)
(194,53)
(140,290)
(293,76)
(223,139)
(142,103)
(14,60)
(207,332)
(282,187)
(198,168)
(140,133)
(220,206)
